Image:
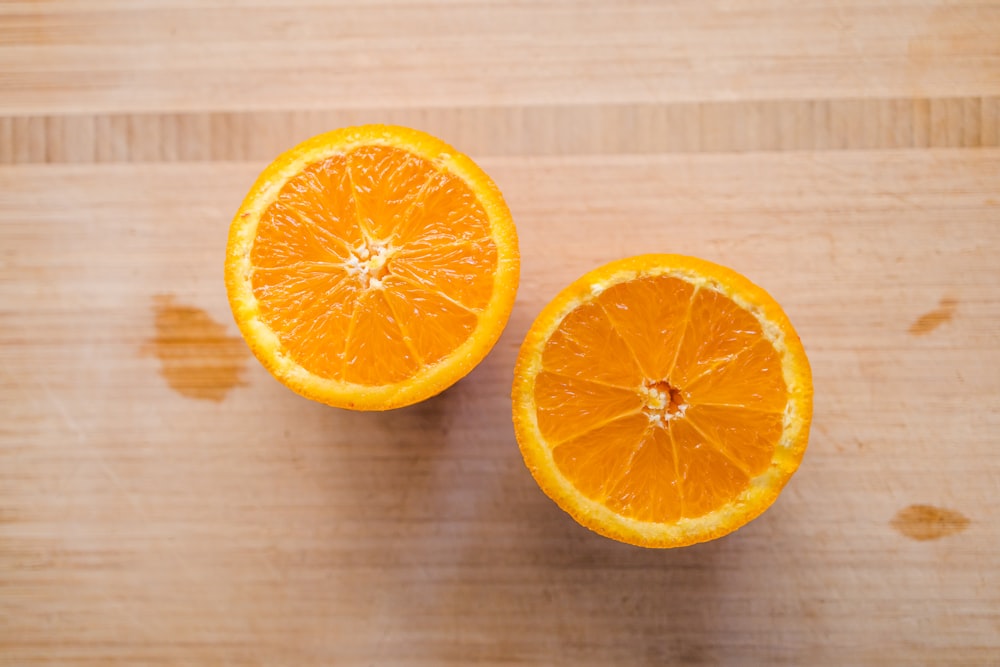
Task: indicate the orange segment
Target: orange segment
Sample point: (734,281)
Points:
(372,267)
(434,324)
(708,478)
(751,378)
(747,436)
(313,332)
(650,489)
(587,328)
(662,400)
(724,357)
(376,350)
(289,237)
(569,406)
(451,267)
(449,210)
(387,183)
(313,216)
(600,457)
(654,337)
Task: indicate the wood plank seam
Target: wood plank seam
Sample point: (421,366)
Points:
(705,127)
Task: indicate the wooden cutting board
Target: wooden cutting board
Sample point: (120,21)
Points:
(164,501)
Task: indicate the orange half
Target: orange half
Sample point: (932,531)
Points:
(372,267)
(662,400)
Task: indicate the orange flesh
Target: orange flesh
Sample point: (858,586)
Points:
(372,265)
(659,399)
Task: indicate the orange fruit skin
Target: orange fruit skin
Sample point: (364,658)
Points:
(763,490)
(430,381)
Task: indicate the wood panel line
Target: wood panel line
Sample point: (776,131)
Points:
(707,127)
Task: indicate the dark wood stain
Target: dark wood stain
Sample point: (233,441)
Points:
(926,522)
(197,358)
(930,321)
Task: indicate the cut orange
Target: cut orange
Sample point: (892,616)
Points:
(372,267)
(662,400)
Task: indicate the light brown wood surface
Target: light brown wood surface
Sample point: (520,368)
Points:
(164,501)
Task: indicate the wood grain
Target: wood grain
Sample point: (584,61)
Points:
(706,127)
(164,501)
(116,56)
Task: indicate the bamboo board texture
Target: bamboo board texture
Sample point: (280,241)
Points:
(164,501)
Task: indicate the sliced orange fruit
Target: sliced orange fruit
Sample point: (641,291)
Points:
(662,400)
(372,267)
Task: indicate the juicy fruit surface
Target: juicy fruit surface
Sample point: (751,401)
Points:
(660,399)
(372,264)
(372,267)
